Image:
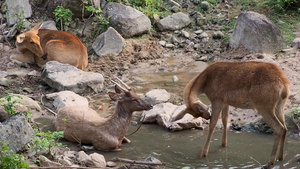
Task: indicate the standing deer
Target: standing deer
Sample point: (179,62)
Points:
(84,125)
(42,45)
(248,85)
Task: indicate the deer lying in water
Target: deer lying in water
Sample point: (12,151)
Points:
(41,45)
(248,85)
(84,125)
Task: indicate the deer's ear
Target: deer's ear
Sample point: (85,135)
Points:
(118,89)
(20,38)
(113,96)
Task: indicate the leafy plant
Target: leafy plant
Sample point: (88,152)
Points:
(44,142)
(282,4)
(296,113)
(20,21)
(9,160)
(63,15)
(8,106)
(102,23)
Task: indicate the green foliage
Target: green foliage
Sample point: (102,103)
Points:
(296,113)
(230,26)
(44,142)
(63,15)
(9,160)
(282,4)
(102,23)
(8,106)
(20,21)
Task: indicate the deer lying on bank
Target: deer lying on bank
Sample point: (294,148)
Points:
(248,85)
(41,45)
(84,125)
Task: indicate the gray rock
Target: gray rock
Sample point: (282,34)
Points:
(48,163)
(156,96)
(205,5)
(256,33)
(172,2)
(296,43)
(203,35)
(218,35)
(175,21)
(67,77)
(97,160)
(5,82)
(17,7)
(67,98)
(163,113)
(109,43)
(3,115)
(51,25)
(185,34)
(16,131)
(168,45)
(162,43)
(126,20)
(83,158)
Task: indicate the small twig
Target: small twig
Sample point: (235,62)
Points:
(51,111)
(115,159)
(255,161)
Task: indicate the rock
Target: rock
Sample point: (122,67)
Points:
(175,21)
(218,35)
(83,158)
(111,164)
(256,33)
(200,21)
(3,115)
(203,35)
(50,24)
(173,3)
(17,7)
(23,103)
(67,98)
(169,45)
(185,34)
(162,43)
(126,20)
(156,96)
(5,82)
(198,32)
(97,160)
(67,77)
(163,113)
(175,79)
(205,5)
(16,131)
(45,162)
(109,43)
(296,43)
(175,9)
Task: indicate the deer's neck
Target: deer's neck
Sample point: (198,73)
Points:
(121,119)
(193,89)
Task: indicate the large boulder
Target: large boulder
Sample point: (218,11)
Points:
(156,96)
(16,10)
(173,22)
(109,43)
(16,131)
(256,33)
(67,77)
(67,98)
(126,20)
(163,113)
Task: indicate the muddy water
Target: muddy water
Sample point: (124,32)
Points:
(181,149)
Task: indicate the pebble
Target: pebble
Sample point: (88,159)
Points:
(175,78)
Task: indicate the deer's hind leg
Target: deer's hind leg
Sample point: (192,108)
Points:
(225,112)
(268,113)
(280,115)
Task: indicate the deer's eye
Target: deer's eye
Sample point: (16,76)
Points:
(31,41)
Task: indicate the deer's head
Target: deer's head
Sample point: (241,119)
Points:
(31,41)
(128,100)
(197,109)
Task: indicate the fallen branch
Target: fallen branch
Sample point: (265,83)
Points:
(117,159)
(255,161)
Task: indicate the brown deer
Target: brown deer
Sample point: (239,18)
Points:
(248,85)
(84,125)
(41,45)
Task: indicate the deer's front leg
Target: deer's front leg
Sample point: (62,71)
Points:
(126,140)
(216,111)
(225,112)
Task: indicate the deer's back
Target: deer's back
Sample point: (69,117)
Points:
(242,84)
